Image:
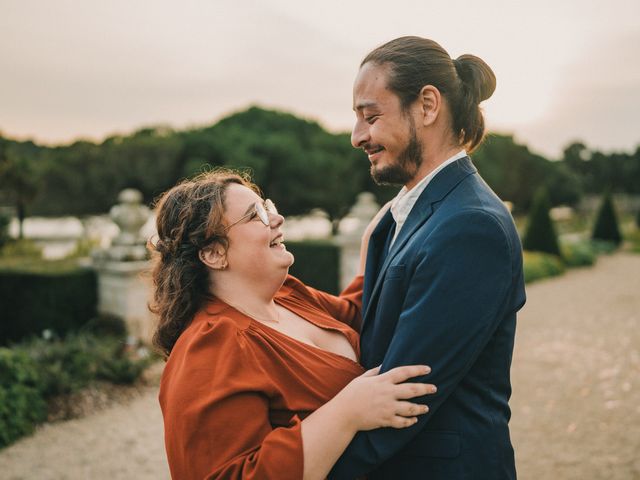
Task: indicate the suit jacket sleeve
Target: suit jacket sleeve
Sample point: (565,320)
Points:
(456,291)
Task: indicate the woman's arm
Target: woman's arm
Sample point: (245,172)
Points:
(218,417)
(368,402)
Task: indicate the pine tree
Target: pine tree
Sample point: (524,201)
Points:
(541,234)
(606,227)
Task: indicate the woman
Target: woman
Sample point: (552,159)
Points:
(262,379)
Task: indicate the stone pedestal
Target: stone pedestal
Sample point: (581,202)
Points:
(124,290)
(124,277)
(350,235)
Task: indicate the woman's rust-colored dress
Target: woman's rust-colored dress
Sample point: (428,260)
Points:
(234,390)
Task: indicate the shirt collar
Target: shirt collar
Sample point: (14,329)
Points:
(405,200)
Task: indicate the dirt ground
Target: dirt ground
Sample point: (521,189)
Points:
(576,375)
(576,400)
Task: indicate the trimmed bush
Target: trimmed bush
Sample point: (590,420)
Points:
(540,235)
(606,226)
(541,265)
(317,263)
(34,299)
(579,254)
(21,404)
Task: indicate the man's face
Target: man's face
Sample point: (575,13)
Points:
(383,129)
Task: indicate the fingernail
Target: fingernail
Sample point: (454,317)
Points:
(434,389)
(427,369)
(425,409)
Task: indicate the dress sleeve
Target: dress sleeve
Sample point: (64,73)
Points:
(346,307)
(217,422)
(245,444)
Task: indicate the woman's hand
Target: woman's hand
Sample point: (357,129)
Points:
(367,402)
(373,400)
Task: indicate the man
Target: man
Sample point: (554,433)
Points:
(443,277)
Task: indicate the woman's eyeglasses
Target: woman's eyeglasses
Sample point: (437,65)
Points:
(261,210)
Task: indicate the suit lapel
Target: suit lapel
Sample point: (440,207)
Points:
(376,253)
(439,187)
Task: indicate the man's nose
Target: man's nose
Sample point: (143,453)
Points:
(359,134)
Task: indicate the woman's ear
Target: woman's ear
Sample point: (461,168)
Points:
(214,257)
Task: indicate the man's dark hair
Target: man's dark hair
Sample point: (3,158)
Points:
(464,82)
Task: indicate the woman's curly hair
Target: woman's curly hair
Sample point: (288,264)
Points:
(190,217)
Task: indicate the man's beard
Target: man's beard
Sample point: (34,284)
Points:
(407,165)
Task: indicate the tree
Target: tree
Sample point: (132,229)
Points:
(19,181)
(606,226)
(541,235)
(515,173)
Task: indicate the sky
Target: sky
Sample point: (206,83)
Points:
(567,70)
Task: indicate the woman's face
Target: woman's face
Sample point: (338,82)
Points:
(254,248)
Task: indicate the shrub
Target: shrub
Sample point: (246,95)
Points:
(606,226)
(65,366)
(540,235)
(35,298)
(317,263)
(541,265)
(579,254)
(70,364)
(634,239)
(107,325)
(21,249)
(602,246)
(21,403)
(638,219)
(5,220)
(39,370)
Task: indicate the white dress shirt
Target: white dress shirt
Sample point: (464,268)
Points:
(405,200)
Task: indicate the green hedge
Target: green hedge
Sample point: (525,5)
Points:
(21,402)
(541,265)
(317,263)
(33,299)
(579,254)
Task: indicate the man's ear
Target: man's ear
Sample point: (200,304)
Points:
(214,257)
(430,103)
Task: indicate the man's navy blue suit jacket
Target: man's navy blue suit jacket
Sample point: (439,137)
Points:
(445,295)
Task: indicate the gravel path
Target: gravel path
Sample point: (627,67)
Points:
(576,401)
(576,375)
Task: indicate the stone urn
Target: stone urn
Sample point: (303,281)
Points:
(124,286)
